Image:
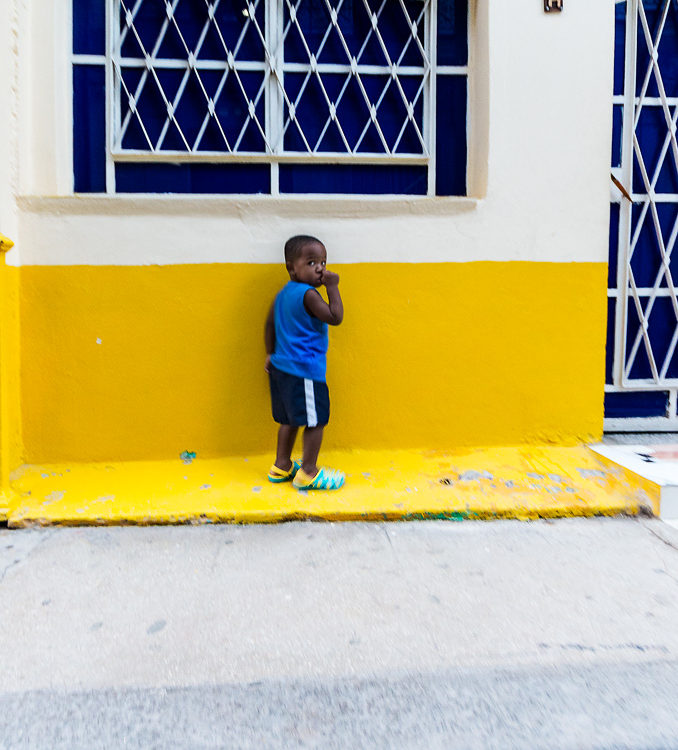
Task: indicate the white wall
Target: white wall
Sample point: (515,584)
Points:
(9,158)
(539,158)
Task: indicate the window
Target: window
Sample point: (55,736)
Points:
(270,96)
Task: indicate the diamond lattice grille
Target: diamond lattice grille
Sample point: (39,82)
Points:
(267,79)
(650,324)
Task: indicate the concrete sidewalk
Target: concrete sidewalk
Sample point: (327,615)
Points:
(501,482)
(548,634)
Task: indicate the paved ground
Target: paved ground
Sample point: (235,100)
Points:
(437,634)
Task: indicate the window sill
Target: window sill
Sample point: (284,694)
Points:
(311,205)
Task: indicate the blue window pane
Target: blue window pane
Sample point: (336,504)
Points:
(452,32)
(192,178)
(353,179)
(89,27)
(636,404)
(191,115)
(451,136)
(667,50)
(646,262)
(613,246)
(617,112)
(619,46)
(238,32)
(89,129)
(354,35)
(661,326)
(313,122)
(652,132)
(609,348)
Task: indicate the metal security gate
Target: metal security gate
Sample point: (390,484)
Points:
(642,347)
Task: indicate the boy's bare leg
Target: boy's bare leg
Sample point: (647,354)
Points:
(313,438)
(287,434)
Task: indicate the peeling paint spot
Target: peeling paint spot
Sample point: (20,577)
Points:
(556,478)
(105,498)
(205,486)
(256,489)
(510,484)
(187,456)
(55,496)
(592,473)
(445,480)
(535,475)
(98,341)
(367,474)
(471,475)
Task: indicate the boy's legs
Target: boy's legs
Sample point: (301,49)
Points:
(313,437)
(287,434)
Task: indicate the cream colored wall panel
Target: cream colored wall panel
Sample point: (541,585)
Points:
(164,230)
(540,119)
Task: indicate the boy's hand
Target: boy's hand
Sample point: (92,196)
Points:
(267,366)
(329,278)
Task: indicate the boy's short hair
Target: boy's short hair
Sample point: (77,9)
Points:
(296,244)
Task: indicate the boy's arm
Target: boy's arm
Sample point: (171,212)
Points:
(316,305)
(269,336)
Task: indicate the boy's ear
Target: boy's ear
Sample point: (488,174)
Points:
(290,268)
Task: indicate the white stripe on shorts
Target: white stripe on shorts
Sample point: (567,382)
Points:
(311,415)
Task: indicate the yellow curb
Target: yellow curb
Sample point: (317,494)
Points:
(4,506)
(520,482)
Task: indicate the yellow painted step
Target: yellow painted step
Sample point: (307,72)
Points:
(519,482)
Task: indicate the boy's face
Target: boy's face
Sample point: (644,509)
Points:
(309,265)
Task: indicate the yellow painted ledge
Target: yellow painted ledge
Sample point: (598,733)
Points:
(5,503)
(521,482)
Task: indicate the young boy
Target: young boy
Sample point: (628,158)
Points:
(296,345)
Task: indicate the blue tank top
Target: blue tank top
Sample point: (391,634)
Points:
(300,339)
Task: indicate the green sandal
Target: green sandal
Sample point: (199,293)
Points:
(325,479)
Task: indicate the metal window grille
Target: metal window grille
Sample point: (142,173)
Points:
(273,82)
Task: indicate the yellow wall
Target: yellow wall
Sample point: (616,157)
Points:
(429,356)
(10,412)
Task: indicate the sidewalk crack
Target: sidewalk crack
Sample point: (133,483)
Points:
(44,536)
(667,542)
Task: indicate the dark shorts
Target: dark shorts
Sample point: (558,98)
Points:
(298,402)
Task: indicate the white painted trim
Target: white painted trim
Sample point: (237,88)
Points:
(63,90)
(478,98)
(241,157)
